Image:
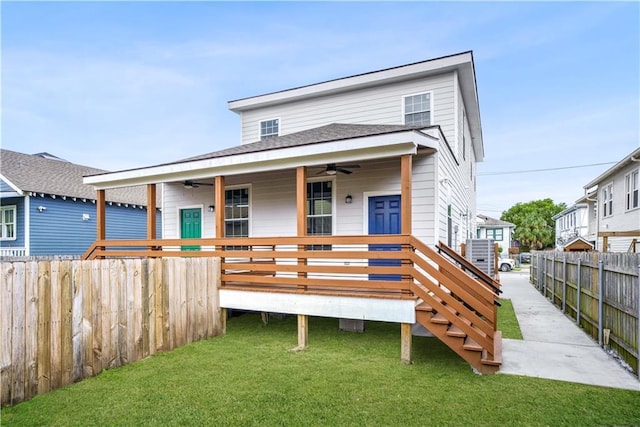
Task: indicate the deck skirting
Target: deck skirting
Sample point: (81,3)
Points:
(379,309)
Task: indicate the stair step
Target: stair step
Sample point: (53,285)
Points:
(471,345)
(496,360)
(486,361)
(454,331)
(423,306)
(439,319)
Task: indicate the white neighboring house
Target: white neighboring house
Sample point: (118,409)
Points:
(572,227)
(501,232)
(617,206)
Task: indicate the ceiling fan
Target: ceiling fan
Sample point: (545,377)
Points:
(191,184)
(333,168)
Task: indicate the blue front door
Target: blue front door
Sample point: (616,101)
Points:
(384,218)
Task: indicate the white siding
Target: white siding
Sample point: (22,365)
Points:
(375,105)
(621,220)
(273,206)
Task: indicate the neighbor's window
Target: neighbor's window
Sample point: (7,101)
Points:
(631,189)
(269,128)
(319,211)
(494,233)
(8,223)
(236,214)
(607,200)
(417,110)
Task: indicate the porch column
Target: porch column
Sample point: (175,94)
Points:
(101,217)
(405,193)
(151,215)
(218,198)
(301,204)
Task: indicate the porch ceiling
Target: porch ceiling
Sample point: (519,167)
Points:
(368,147)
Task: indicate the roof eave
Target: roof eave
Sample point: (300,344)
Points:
(354,149)
(634,156)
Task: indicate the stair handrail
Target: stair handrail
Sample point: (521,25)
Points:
(468,265)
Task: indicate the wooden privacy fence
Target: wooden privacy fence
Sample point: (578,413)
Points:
(62,321)
(600,291)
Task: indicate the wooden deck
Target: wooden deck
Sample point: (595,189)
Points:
(450,296)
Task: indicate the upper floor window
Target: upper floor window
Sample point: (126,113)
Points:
(417,110)
(607,200)
(269,128)
(494,233)
(631,189)
(236,215)
(8,223)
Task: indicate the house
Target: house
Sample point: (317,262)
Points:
(616,200)
(333,202)
(501,232)
(572,228)
(45,209)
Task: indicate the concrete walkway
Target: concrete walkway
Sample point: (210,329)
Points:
(554,347)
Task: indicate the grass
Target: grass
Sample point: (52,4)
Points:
(251,377)
(507,320)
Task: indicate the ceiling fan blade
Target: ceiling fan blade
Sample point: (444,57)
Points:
(344,170)
(349,166)
(323,171)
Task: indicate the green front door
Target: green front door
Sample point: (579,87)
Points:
(190,226)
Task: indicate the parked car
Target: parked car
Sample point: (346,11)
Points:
(506,264)
(525,258)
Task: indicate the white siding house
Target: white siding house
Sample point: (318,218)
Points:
(617,205)
(572,223)
(333,202)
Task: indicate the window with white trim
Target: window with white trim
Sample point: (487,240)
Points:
(631,185)
(417,110)
(236,213)
(269,128)
(607,200)
(494,233)
(320,211)
(8,223)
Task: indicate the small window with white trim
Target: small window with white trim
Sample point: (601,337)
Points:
(417,110)
(269,128)
(631,187)
(8,223)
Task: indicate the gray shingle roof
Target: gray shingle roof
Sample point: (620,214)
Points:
(37,174)
(328,133)
(493,222)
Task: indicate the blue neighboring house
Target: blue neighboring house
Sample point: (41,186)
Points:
(45,209)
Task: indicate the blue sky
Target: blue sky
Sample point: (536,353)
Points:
(120,85)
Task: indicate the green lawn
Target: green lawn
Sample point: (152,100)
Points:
(250,377)
(507,321)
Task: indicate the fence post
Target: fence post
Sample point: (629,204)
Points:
(541,269)
(553,279)
(579,291)
(564,282)
(638,324)
(600,299)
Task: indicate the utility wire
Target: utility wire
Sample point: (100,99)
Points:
(544,170)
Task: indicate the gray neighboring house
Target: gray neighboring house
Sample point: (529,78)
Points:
(501,232)
(46,209)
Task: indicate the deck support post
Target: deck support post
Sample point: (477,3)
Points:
(303,331)
(405,342)
(151,214)
(223,321)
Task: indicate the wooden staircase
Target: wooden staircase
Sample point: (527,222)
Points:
(458,308)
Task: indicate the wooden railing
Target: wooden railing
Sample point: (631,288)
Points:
(289,264)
